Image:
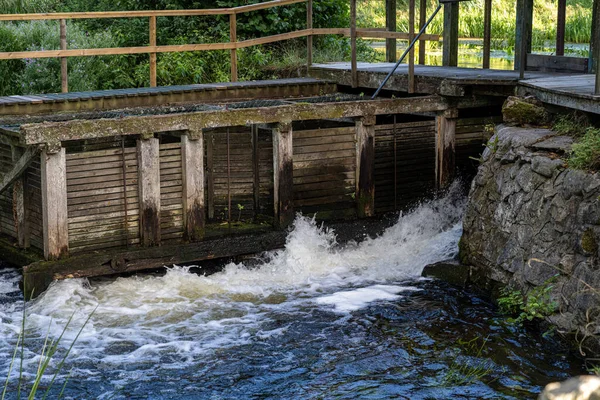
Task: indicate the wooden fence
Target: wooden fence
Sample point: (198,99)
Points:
(233,45)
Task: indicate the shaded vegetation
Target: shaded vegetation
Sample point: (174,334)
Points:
(259,62)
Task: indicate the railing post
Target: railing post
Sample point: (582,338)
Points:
(149,190)
(233,39)
(64,78)
(309,38)
(595,43)
(523,34)
(283,175)
(365,166)
(422,21)
(445,147)
(487,33)
(192,153)
(450,50)
(54,203)
(411,54)
(152,54)
(560,27)
(390,19)
(354,71)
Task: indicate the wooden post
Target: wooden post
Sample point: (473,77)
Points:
(595,37)
(595,43)
(411,53)
(210,174)
(64,72)
(523,33)
(153,55)
(445,147)
(149,190)
(450,50)
(309,38)
(365,166)
(20,203)
(560,27)
(255,170)
(54,203)
(192,154)
(390,24)
(422,21)
(354,71)
(487,33)
(233,39)
(283,174)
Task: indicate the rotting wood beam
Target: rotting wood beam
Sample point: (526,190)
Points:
(20,198)
(46,132)
(283,175)
(54,203)
(365,166)
(192,153)
(445,147)
(19,167)
(148,153)
(523,33)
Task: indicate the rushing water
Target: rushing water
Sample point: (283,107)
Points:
(311,321)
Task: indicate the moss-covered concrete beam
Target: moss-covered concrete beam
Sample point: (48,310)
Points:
(48,132)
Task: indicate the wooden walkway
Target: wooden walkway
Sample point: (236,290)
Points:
(572,91)
(145,97)
(450,81)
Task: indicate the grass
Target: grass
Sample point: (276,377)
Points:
(466,371)
(49,351)
(585,153)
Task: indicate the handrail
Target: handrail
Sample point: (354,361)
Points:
(153,49)
(149,13)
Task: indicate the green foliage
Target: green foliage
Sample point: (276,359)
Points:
(536,305)
(571,124)
(585,154)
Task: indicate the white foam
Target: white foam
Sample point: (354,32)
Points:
(356,299)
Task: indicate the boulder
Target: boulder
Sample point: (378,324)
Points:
(585,387)
(524,111)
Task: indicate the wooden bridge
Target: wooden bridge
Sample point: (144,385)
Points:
(116,181)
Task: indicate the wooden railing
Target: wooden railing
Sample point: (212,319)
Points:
(153,49)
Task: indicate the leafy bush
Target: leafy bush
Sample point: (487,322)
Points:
(537,304)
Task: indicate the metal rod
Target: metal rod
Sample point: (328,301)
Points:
(412,44)
(125,192)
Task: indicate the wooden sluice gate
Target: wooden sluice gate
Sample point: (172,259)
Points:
(96,193)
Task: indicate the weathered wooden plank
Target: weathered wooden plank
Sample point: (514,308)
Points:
(523,33)
(283,175)
(149,190)
(192,149)
(445,150)
(547,63)
(365,158)
(54,204)
(136,125)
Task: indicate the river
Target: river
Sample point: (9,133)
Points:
(312,321)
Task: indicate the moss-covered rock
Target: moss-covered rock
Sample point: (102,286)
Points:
(524,111)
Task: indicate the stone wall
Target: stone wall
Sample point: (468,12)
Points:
(530,218)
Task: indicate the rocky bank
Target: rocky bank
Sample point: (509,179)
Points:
(531,220)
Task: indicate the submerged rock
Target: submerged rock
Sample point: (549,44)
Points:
(585,387)
(531,222)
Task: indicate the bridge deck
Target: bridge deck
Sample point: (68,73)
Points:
(144,97)
(573,91)
(428,79)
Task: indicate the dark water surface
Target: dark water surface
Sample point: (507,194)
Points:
(312,321)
